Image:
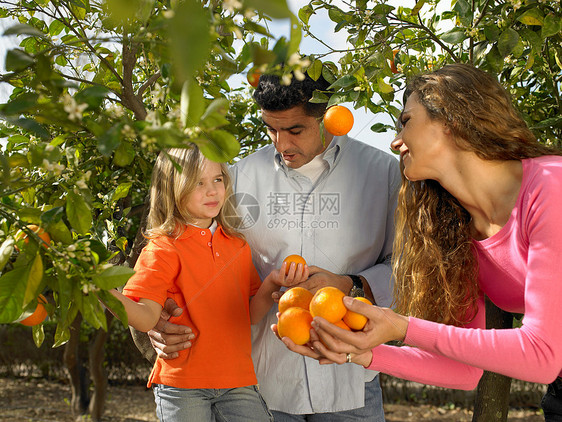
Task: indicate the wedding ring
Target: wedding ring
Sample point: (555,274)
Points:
(348,358)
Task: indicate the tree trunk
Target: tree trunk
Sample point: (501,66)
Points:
(97,373)
(76,372)
(492,396)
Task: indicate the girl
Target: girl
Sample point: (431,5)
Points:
(479,214)
(196,258)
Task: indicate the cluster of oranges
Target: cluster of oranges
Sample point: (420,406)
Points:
(298,306)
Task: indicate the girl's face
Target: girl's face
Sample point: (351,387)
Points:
(206,201)
(423,143)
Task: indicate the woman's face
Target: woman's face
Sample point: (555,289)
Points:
(423,143)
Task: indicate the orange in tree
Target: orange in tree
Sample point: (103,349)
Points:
(354,320)
(338,120)
(39,315)
(43,235)
(297,259)
(295,324)
(393,67)
(328,304)
(296,297)
(253,77)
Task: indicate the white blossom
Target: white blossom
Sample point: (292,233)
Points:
(73,109)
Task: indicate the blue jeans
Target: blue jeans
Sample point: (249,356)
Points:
(243,404)
(552,402)
(372,412)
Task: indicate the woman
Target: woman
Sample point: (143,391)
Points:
(479,213)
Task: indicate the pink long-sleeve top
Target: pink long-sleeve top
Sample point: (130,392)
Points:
(519,270)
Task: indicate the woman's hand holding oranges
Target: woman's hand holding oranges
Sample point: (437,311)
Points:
(332,344)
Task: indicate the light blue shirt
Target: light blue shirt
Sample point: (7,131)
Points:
(344,223)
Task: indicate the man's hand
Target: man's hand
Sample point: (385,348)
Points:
(319,278)
(167,338)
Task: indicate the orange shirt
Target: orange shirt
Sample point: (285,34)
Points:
(211,277)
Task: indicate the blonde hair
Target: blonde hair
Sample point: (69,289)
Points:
(434,260)
(174,177)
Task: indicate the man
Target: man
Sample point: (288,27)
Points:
(331,201)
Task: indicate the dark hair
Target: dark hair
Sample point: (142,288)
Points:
(272,95)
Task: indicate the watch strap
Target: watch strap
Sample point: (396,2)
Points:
(357,289)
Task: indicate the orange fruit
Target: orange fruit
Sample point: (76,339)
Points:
(295,324)
(342,324)
(40,232)
(297,297)
(38,315)
(393,68)
(253,77)
(338,120)
(354,320)
(327,303)
(297,259)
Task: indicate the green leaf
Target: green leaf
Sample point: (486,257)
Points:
(38,335)
(533,38)
(454,36)
(110,139)
(115,305)
(491,32)
(124,154)
(21,103)
(532,16)
(319,97)
(59,231)
(190,41)
(315,69)
(62,335)
(384,87)
(23,29)
(78,213)
(12,291)
(219,146)
(276,9)
(121,191)
(495,59)
(343,82)
(296,35)
(17,60)
(33,281)
(507,41)
(552,25)
(93,96)
(113,277)
(305,12)
(192,103)
(380,127)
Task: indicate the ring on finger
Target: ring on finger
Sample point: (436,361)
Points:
(348,357)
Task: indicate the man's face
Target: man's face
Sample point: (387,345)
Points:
(295,135)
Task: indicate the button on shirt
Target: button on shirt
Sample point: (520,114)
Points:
(342,222)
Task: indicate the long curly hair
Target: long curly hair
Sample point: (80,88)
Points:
(434,260)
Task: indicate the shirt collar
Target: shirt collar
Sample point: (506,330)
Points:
(191,230)
(330,154)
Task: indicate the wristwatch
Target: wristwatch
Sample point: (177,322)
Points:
(357,289)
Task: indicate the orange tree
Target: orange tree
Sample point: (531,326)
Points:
(97,89)
(518,40)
